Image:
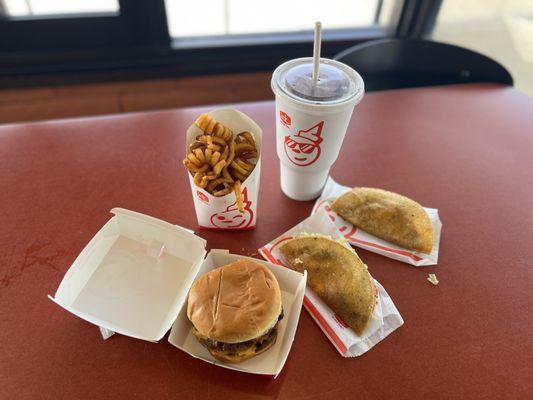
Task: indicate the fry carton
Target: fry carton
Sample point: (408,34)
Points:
(222,212)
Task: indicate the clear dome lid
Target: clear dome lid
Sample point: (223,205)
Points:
(336,81)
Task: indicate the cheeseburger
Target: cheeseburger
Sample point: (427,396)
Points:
(235,310)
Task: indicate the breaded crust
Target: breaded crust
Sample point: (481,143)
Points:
(336,275)
(389,216)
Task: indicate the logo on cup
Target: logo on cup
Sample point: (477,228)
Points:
(285,119)
(202,197)
(232,218)
(304,147)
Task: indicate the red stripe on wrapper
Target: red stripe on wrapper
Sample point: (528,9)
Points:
(268,255)
(319,319)
(377,246)
(330,333)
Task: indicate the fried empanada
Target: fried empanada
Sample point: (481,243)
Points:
(336,275)
(389,216)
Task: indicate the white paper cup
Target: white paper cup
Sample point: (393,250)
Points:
(309,133)
(221,212)
(302,185)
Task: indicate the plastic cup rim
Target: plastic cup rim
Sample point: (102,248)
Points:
(355,97)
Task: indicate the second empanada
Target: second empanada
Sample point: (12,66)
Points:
(387,215)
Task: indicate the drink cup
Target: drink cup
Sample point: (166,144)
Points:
(311,121)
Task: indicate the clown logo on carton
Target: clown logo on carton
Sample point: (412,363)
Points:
(232,218)
(303,148)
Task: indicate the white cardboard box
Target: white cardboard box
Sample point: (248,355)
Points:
(133,278)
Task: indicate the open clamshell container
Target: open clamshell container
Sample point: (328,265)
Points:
(133,278)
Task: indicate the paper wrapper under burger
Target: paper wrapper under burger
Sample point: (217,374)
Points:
(221,212)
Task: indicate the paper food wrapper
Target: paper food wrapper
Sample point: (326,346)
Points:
(221,212)
(360,238)
(385,319)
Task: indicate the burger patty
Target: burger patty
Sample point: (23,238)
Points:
(233,348)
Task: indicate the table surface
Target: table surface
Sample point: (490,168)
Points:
(466,150)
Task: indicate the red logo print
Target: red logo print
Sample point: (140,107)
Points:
(340,321)
(270,249)
(232,218)
(304,147)
(202,197)
(345,228)
(285,118)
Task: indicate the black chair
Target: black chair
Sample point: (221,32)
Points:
(403,63)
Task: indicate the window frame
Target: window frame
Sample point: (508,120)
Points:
(136,23)
(141,47)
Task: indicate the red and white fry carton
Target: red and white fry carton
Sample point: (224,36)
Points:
(385,319)
(221,212)
(359,238)
(133,278)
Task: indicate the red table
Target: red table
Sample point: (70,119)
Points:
(466,150)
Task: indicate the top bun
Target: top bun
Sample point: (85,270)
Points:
(235,303)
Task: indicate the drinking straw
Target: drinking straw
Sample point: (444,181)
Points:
(316,51)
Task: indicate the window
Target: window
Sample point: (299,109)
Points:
(500,29)
(142,38)
(240,17)
(25,8)
(70,26)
